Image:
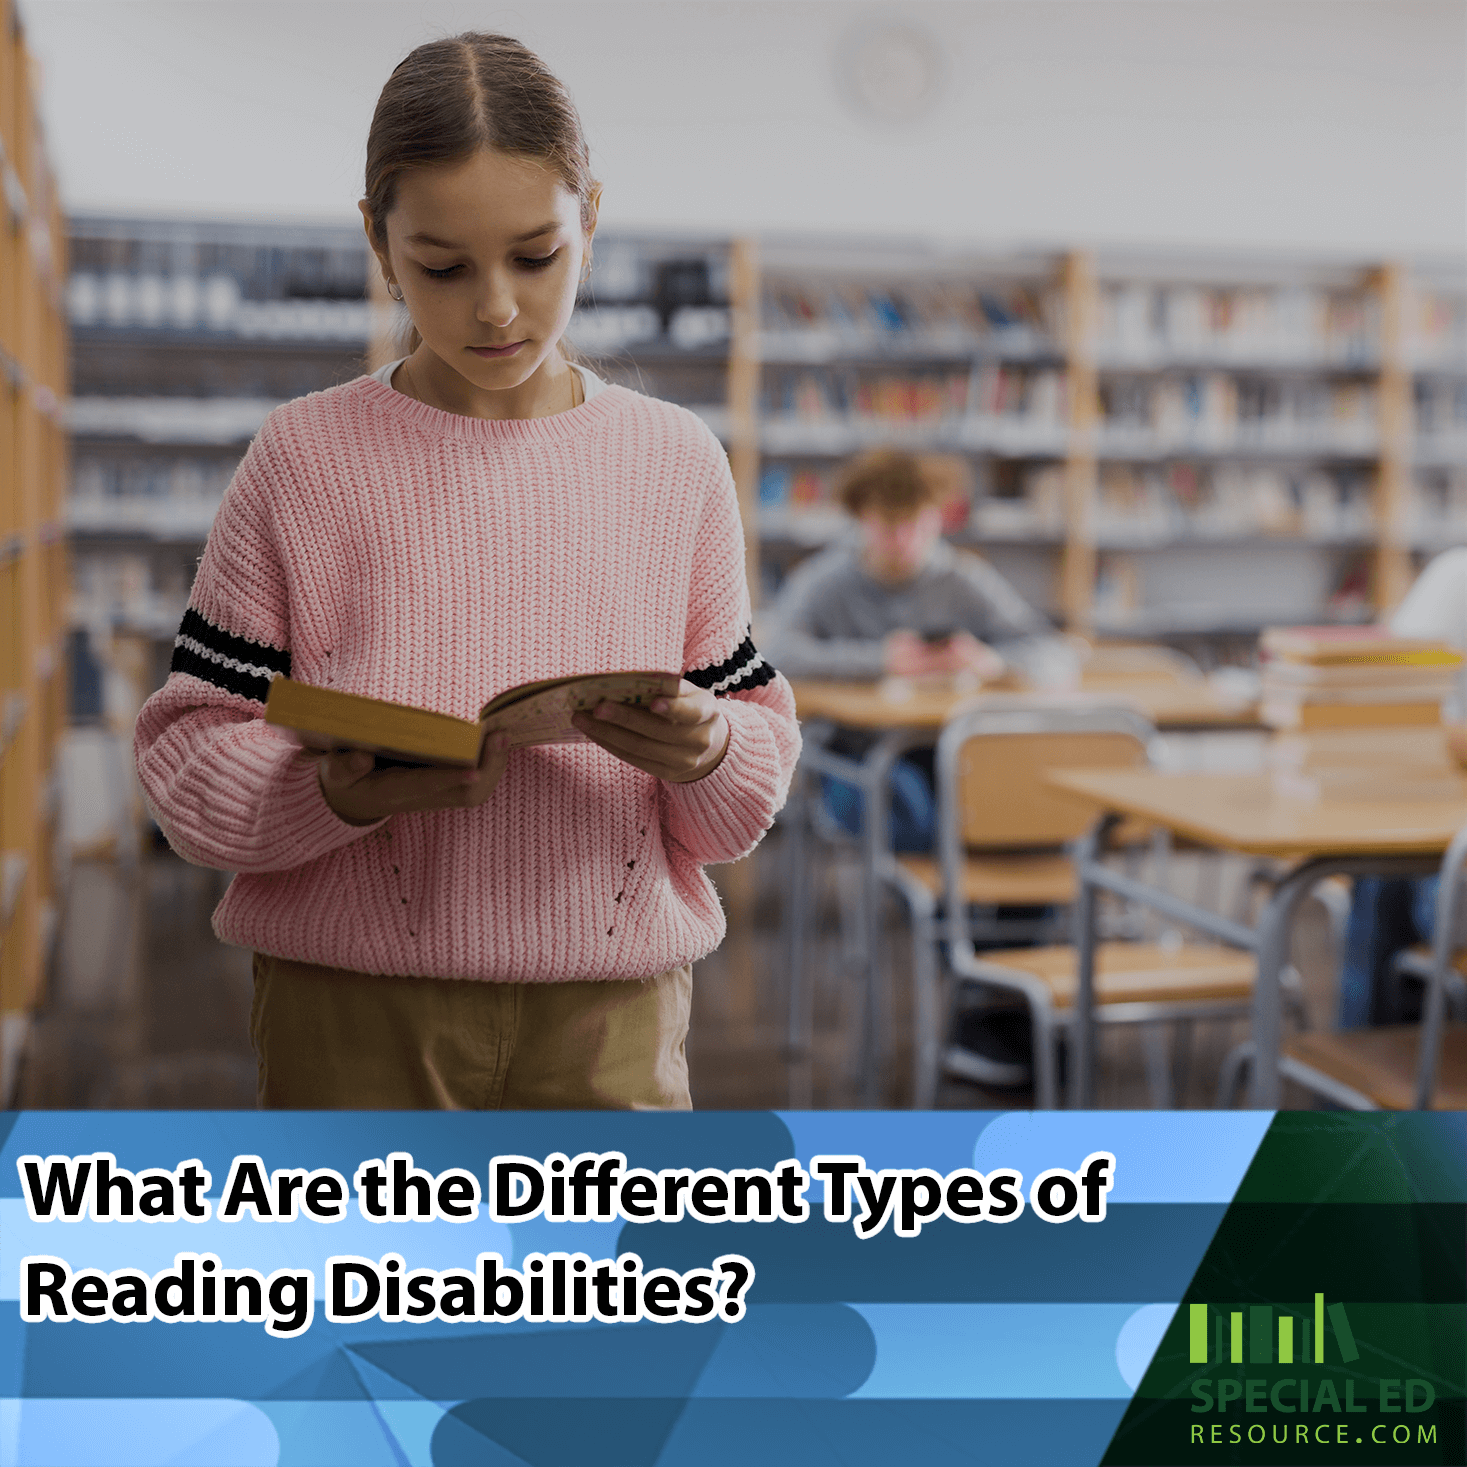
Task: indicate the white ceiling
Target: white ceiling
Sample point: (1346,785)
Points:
(1321,125)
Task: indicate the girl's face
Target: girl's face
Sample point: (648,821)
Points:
(488,255)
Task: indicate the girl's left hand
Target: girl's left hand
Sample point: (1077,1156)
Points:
(678,739)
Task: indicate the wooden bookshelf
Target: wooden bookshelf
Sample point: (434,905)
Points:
(1299,384)
(33,471)
(1264,407)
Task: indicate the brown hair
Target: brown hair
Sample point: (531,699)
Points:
(449,98)
(889,481)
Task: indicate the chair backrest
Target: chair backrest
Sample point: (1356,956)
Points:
(1003,799)
(991,788)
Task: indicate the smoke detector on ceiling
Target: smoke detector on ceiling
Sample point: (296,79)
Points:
(890,73)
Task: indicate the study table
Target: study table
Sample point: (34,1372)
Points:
(906,714)
(912,706)
(1361,824)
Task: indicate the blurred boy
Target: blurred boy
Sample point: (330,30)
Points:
(894,599)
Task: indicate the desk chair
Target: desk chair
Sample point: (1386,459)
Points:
(1392,1066)
(1417,963)
(1001,833)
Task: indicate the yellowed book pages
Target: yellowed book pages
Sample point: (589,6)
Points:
(541,714)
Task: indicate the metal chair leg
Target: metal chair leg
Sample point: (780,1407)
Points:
(801,1018)
(1238,1059)
(1046,1057)
(1182,1032)
(927,1006)
(1158,1065)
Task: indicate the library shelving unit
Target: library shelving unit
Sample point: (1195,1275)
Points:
(185,333)
(33,457)
(1173,447)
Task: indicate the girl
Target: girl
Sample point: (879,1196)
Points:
(474,516)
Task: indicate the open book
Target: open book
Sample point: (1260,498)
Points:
(533,713)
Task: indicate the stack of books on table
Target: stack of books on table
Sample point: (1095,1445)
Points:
(1317,678)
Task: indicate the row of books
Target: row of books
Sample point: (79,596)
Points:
(1439,331)
(183,420)
(1441,418)
(1220,410)
(609,329)
(1141,416)
(1335,677)
(927,312)
(120,588)
(123,300)
(156,498)
(1154,323)
(1140,322)
(991,390)
(177,478)
(1161,504)
(1221,501)
(213,303)
(1438,507)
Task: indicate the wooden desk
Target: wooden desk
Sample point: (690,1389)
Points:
(871,706)
(1398,826)
(1245,813)
(904,723)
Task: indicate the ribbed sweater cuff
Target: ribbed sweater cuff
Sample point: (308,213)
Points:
(254,806)
(304,818)
(722,816)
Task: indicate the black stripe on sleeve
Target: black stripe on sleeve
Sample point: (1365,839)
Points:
(746,669)
(231,663)
(258,654)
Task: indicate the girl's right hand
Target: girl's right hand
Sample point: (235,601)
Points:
(361,794)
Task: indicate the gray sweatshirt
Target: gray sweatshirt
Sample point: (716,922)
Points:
(831,616)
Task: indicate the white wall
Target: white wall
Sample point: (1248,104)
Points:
(1320,125)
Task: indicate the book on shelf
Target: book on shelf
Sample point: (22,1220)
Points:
(1439,336)
(781,484)
(1219,410)
(533,713)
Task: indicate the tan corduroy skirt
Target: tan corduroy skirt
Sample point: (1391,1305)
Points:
(333,1039)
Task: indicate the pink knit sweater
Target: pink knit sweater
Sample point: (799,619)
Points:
(373,543)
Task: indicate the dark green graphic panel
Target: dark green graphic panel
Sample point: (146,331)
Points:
(1328,1318)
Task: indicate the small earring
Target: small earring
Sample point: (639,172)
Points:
(390,284)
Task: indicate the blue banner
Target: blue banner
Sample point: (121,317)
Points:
(427,1289)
